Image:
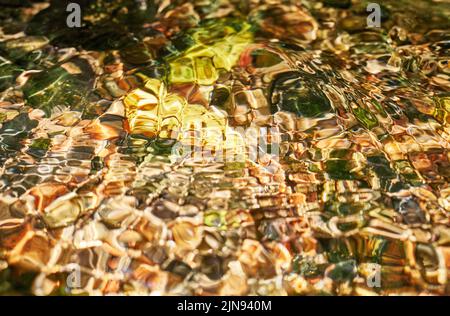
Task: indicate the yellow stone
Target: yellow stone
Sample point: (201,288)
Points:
(218,47)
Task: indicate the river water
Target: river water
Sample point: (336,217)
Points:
(259,147)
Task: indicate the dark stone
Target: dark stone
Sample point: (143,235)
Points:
(57,87)
(212,267)
(293,94)
(341,4)
(343,271)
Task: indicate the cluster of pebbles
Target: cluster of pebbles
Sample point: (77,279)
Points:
(355,200)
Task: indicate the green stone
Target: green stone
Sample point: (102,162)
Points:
(8,73)
(56,88)
(137,54)
(12,132)
(353,24)
(339,169)
(18,48)
(214,219)
(292,94)
(306,267)
(381,166)
(39,147)
(366,118)
(262,58)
